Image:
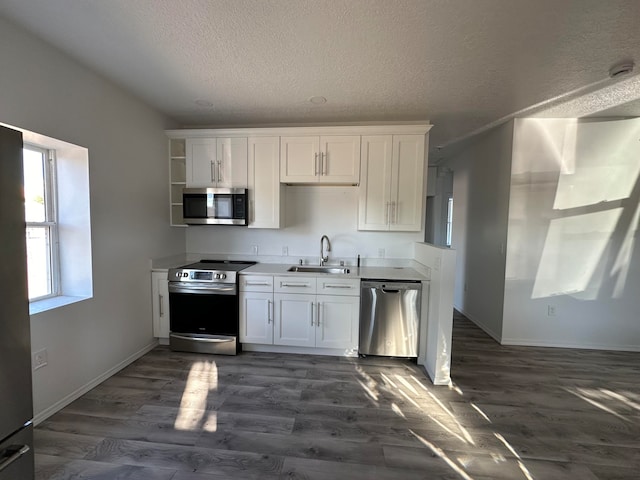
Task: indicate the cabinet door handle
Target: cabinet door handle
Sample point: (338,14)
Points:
(315,164)
(337,285)
(219,171)
(286,284)
(318,317)
(161,302)
(257,284)
(311,304)
(13,454)
(323,163)
(269,311)
(213,173)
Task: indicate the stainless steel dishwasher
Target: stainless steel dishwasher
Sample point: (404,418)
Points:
(389,317)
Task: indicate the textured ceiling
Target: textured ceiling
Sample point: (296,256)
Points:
(462,64)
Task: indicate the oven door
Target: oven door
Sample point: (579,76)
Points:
(203,317)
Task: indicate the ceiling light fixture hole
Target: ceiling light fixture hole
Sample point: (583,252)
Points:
(317,100)
(619,69)
(204,103)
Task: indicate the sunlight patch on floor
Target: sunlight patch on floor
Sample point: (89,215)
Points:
(597,397)
(202,379)
(440,453)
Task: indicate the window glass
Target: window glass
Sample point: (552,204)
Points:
(39,262)
(34,185)
(41,226)
(449,221)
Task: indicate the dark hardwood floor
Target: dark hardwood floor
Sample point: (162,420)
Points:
(511,413)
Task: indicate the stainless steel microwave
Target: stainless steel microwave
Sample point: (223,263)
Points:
(215,206)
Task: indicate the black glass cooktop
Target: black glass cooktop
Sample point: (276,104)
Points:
(226,265)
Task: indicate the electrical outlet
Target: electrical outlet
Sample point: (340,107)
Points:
(40,359)
(285,251)
(551,310)
(381,252)
(254,249)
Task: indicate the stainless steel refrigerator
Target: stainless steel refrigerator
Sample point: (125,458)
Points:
(16,405)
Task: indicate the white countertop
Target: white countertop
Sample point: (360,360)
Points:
(386,273)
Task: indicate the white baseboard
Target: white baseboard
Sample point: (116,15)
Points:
(47,412)
(334,352)
(482,326)
(523,342)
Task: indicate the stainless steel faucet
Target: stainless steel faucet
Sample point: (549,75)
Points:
(324,258)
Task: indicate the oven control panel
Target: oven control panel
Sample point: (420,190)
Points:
(179,275)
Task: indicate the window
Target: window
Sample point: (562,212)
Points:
(449,221)
(58,221)
(41,218)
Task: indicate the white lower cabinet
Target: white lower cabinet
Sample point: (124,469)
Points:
(256,309)
(294,320)
(317,320)
(322,321)
(337,322)
(160,304)
(256,317)
(294,315)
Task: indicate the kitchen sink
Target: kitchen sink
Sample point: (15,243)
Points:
(310,269)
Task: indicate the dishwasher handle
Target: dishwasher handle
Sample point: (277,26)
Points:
(391,286)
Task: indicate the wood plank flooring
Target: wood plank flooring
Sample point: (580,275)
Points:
(511,413)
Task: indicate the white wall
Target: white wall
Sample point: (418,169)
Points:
(46,92)
(436,326)
(311,211)
(573,222)
(481,175)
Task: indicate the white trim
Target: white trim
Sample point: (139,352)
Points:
(334,352)
(482,326)
(397,129)
(59,405)
(443,380)
(522,342)
(49,303)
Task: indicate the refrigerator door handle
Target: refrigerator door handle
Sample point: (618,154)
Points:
(13,453)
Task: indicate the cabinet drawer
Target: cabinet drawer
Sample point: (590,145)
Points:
(295,284)
(338,286)
(256,283)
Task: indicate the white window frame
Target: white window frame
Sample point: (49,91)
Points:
(51,219)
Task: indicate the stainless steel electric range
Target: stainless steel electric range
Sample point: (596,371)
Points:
(203,306)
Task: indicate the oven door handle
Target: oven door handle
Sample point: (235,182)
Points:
(204,339)
(203,289)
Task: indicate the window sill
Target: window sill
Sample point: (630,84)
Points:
(55,302)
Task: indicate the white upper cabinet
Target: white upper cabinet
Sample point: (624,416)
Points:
(265,190)
(391,187)
(217,162)
(332,159)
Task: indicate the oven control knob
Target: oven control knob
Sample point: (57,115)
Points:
(221,275)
